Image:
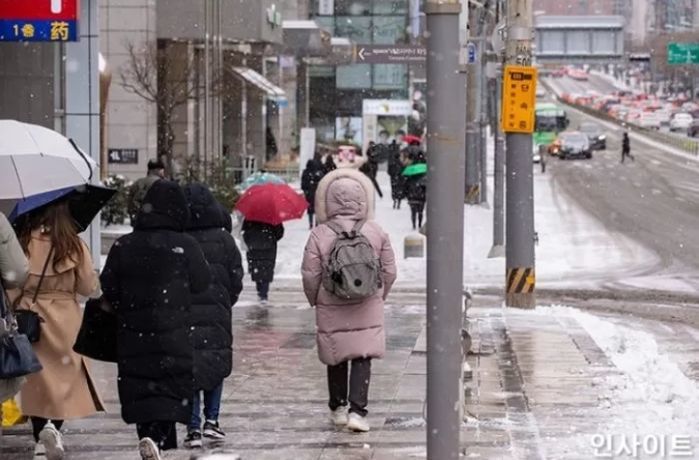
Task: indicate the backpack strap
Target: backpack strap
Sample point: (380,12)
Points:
(337,228)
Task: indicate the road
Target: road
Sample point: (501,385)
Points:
(654,200)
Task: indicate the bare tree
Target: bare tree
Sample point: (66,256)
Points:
(166,78)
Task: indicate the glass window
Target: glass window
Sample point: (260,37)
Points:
(353,7)
(389,30)
(357,29)
(579,42)
(355,76)
(326,22)
(390,76)
(390,6)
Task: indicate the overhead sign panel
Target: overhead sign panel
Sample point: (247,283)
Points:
(518,99)
(390,54)
(683,53)
(39,20)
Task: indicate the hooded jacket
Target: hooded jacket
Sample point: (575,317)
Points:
(346,331)
(310,179)
(149,278)
(211,322)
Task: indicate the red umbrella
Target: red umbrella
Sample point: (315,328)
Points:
(412,139)
(271,204)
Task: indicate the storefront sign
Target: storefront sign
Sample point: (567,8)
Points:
(123,156)
(326,7)
(397,107)
(39,20)
(390,54)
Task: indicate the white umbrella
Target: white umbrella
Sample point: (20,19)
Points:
(35,160)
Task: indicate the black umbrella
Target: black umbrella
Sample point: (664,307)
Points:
(84,202)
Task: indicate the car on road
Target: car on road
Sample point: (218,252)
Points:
(693,130)
(681,122)
(574,144)
(540,92)
(595,135)
(648,120)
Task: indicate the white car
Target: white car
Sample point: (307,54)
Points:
(648,120)
(681,122)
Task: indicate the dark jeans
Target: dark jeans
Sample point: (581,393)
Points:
(416,212)
(39,423)
(311,220)
(212,407)
(262,289)
(358,385)
(164,434)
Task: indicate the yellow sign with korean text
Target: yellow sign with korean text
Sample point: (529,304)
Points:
(518,99)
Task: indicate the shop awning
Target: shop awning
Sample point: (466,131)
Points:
(260,82)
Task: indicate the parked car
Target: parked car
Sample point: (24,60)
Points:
(648,120)
(574,144)
(681,122)
(595,135)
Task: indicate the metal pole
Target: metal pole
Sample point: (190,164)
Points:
(445,229)
(520,278)
(483,110)
(472,190)
(498,249)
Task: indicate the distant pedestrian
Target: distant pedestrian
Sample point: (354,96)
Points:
(370,166)
(211,324)
(150,278)
(310,178)
(138,190)
(348,330)
(329,164)
(626,147)
(416,190)
(395,172)
(60,270)
(261,239)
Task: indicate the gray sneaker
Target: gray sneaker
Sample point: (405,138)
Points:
(52,440)
(148,450)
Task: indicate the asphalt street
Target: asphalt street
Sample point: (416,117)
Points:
(654,199)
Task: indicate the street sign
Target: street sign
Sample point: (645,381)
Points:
(38,20)
(471,52)
(518,99)
(122,156)
(683,53)
(390,54)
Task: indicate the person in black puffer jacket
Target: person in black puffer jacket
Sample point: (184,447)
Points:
(211,323)
(149,279)
(261,239)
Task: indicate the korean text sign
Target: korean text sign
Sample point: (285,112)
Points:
(39,20)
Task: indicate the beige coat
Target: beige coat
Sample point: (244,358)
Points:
(346,331)
(64,389)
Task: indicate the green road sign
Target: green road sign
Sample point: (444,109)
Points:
(683,53)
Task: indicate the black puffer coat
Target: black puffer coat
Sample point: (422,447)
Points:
(211,321)
(149,279)
(261,240)
(310,178)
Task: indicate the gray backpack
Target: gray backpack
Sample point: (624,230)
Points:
(353,271)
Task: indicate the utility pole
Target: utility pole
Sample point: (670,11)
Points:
(498,249)
(445,229)
(519,98)
(483,109)
(472,115)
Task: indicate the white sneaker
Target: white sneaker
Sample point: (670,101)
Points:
(148,450)
(339,416)
(357,423)
(52,440)
(39,451)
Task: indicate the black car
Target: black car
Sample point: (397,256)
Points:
(574,145)
(693,130)
(595,134)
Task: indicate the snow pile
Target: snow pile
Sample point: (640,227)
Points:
(654,395)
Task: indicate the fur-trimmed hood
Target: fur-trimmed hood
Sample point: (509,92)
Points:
(328,197)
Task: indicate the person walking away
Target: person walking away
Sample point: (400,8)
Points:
(310,178)
(14,267)
(212,329)
(626,147)
(395,172)
(138,190)
(329,163)
(350,333)
(261,240)
(370,170)
(416,188)
(60,270)
(149,279)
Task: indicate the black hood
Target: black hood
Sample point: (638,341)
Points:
(314,165)
(204,210)
(164,207)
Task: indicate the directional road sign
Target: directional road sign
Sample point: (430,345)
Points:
(390,54)
(683,53)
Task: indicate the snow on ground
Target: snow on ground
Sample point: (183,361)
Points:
(652,396)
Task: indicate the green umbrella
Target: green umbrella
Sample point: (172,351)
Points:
(414,170)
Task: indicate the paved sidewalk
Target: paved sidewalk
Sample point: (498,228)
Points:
(533,394)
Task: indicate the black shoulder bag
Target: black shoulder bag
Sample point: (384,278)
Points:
(29,321)
(17,358)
